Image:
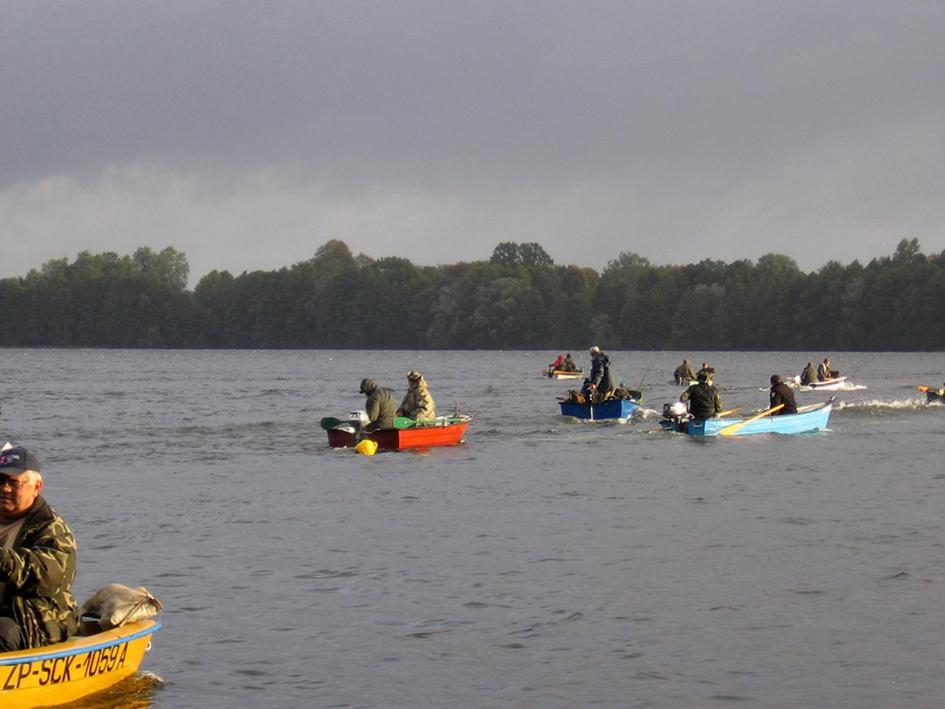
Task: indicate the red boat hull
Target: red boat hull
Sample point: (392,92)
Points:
(399,439)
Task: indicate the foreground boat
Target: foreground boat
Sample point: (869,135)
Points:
(442,431)
(609,410)
(75,669)
(806,420)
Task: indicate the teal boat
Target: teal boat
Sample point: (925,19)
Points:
(807,419)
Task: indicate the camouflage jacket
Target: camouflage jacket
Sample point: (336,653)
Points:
(417,403)
(38,573)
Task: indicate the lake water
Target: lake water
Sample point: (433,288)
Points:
(544,562)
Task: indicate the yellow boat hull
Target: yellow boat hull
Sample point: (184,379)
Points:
(64,672)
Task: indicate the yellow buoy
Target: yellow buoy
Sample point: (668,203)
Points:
(366,447)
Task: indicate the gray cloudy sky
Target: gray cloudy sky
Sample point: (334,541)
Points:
(247,134)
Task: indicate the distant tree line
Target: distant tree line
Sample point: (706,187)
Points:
(518,299)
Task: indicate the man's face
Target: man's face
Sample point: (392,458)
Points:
(17,495)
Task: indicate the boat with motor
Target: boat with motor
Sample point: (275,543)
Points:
(407,433)
(807,419)
(75,669)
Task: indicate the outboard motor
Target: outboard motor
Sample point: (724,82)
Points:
(675,416)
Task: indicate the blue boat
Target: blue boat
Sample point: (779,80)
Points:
(806,420)
(610,410)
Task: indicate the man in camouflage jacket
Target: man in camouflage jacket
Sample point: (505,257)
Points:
(37,559)
(417,403)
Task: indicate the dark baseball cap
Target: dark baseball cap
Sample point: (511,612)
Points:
(17,460)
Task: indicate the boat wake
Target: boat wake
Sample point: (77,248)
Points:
(876,407)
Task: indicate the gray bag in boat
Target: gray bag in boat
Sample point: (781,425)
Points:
(116,605)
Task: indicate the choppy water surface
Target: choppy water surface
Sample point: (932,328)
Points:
(545,562)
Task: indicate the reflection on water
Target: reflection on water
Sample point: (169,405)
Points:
(135,692)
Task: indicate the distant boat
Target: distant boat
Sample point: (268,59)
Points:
(807,419)
(563,374)
(932,396)
(609,410)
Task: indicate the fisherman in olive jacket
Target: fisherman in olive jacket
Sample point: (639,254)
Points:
(702,397)
(37,559)
(379,405)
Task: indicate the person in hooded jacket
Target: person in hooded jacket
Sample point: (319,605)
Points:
(417,403)
(809,375)
(379,405)
(781,393)
(702,397)
(683,373)
(602,376)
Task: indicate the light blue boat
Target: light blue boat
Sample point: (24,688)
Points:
(613,409)
(807,419)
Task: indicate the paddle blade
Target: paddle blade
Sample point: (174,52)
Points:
(329,422)
(404,422)
(735,427)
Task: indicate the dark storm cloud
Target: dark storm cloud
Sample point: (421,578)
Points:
(705,121)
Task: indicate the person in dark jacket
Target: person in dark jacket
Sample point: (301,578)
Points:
(702,397)
(781,393)
(37,559)
(604,379)
(708,371)
(568,365)
(379,405)
(683,373)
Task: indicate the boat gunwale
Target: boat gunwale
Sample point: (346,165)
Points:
(79,647)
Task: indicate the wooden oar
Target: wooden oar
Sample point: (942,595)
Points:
(735,427)
(730,411)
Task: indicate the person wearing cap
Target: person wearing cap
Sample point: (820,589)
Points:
(602,376)
(379,405)
(417,403)
(37,559)
(702,397)
(683,373)
(781,393)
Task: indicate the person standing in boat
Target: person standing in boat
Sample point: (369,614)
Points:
(604,379)
(702,397)
(684,373)
(37,559)
(809,375)
(417,403)
(379,406)
(781,393)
